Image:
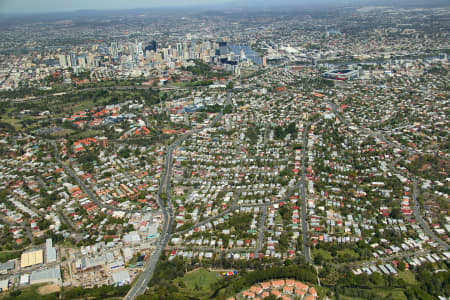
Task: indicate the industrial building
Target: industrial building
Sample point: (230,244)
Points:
(132,238)
(341,74)
(85,263)
(4,285)
(31,258)
(121,278)
(7,266)
(50,252)
(44,276)
(24,279)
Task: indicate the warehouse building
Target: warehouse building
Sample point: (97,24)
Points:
(4,285)
(31,258)
(121,278)
(7,266)
(50,252)
(52,275)
(24,279)
(341,74)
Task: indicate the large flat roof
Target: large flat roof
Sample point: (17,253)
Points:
(121,277)
(52,274)
(9,265)
(31,258)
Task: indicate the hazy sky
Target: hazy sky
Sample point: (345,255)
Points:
(37,6)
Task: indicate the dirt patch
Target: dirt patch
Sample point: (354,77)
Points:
(49,289)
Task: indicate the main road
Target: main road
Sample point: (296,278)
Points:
(262,229)
(305,236)
(166,207)
(426,228)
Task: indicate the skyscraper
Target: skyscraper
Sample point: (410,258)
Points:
(82,61)
(62,60)
(140,50)
(73,59)
(114,50)
(151,46)
(179,49)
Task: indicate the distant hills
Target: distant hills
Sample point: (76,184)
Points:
(233,5)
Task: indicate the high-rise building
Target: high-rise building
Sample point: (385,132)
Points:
(179,48)
(68,62)
(90,60)
(139,50)
(82,61)
(114,50)
(62,60)
(151,46)
(131,49)
(242,54)
(73,59)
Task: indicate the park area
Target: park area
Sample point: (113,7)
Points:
(198,282)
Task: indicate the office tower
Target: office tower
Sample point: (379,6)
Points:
(90,60)
(73,59)
(139,50)
(114,51)
(82,61)
(242,54)
(151,46)
(179,49)
(62,60)
(131,49)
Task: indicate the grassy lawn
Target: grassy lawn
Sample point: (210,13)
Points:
(396,294)
(198,282)
(200,278)
(79,106)
(350,298)
(87,133)
(408,276)
(7,119)
(62,133)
